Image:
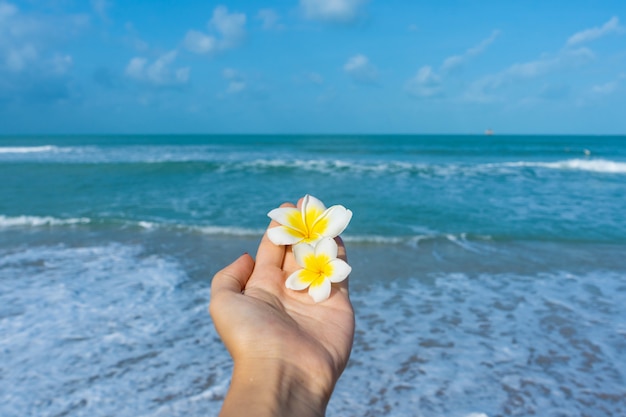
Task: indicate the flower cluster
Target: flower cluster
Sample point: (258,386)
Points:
(311,230)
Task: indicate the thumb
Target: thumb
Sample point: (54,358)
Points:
(233,278)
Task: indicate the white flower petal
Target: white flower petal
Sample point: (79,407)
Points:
(313,241)
(311,203)
(326,246)
(320,292)
(301,251)
(281,235)
(295,282)
(338,218)
(282,214)
(341,270)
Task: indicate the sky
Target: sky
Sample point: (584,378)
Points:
(312,66)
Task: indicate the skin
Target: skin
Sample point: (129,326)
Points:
(288,351)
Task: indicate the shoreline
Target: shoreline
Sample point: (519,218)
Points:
(207,253)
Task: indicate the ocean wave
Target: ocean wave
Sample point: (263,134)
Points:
(338,166)
(228,231)
(203,229)
(27,149)
(39,221)
(592,165)
(47,221)
(470,242)
(208,158)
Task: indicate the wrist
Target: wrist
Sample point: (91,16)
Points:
(274,387)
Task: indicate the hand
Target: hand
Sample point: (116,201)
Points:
(288,351)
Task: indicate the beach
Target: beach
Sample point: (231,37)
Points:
(488,272)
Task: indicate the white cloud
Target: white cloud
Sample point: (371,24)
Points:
(19,58)
(359,68)
(332,10)
(235,87)
(230,25)
(609,87)
(455,61)
(236,82)
(315,78)
(132,38)
(564,59)
(182,74)
(611,26)
(428,83)
(27,43)
(101,7)
(32,66)
(309,78)
(270,19)
(425,84)
(60,64)
(242,86)
(135,68)
(230,73)
(158,72)
(605,89)
(483,89)
(7,10)
(199,43)
(230,29)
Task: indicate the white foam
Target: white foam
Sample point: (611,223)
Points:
(229,231)
(27,149)
(460,345)
(375,239)
(147,225)
(428,169)
(39,221)
(469,243)
(592,165)
(83,327)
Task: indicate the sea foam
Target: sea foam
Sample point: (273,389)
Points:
(39,221)
(27,149)
(452,344)
(117,319)
(81,327)
(592,165)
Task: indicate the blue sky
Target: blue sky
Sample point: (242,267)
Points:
(312,66)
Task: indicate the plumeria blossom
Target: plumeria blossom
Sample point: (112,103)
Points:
(308,224)
(320,268)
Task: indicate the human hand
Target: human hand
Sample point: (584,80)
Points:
(288,351)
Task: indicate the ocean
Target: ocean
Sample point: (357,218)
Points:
(489,272)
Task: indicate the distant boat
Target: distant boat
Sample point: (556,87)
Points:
(489,132)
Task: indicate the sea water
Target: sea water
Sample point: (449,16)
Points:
(489,273)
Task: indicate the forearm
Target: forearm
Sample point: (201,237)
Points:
(273,389)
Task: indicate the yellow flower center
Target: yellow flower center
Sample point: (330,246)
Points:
(316,269)
(308,230)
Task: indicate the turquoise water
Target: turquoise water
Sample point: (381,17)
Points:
(507,188)
(489,272)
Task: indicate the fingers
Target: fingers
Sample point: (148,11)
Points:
(341,249)
(233,278)
(268,253)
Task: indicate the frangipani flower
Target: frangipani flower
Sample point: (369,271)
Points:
(308,224)
(320,267)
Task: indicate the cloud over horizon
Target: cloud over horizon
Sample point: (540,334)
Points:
(230,30)
(359,68)
(428,83)
(332,10)
(588,35)
(329,64)
(158,72)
